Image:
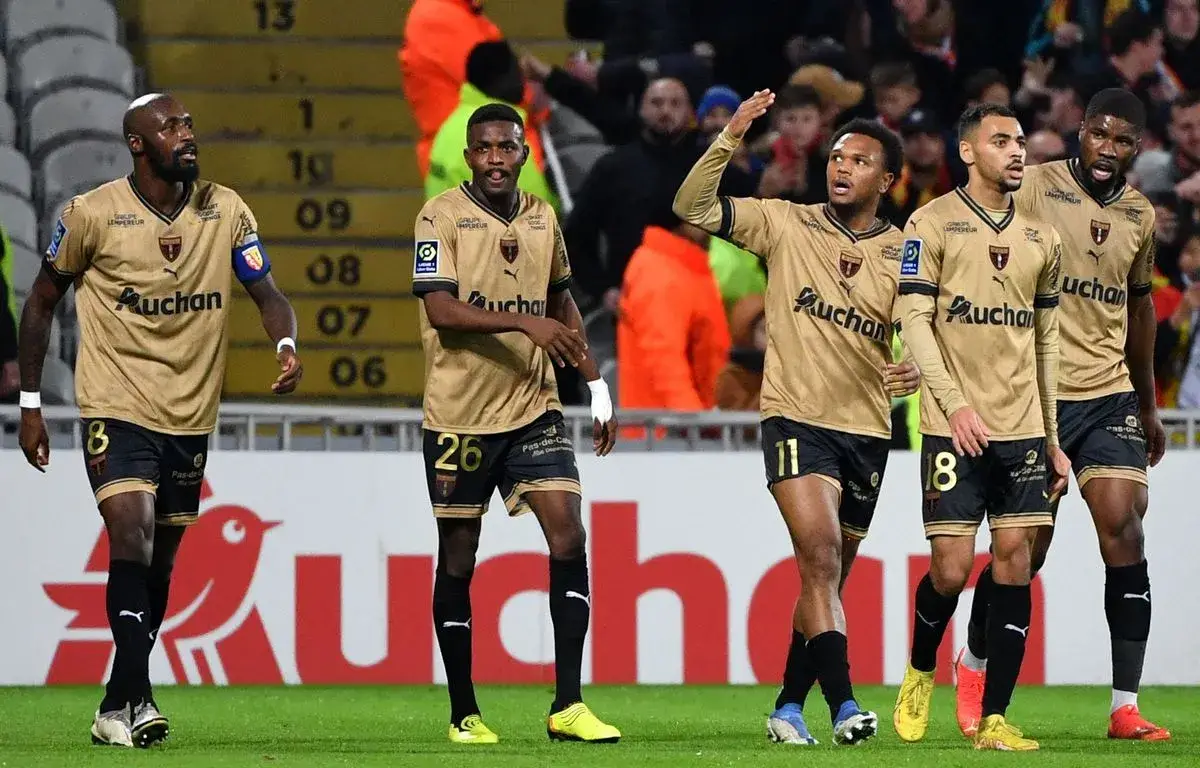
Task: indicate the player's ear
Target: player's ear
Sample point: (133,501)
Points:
(886,183)
(135,144)
(966,152)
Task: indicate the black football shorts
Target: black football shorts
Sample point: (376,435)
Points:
(121,457)
(853,463)
(1008,485)
(1103,437)
(462,471)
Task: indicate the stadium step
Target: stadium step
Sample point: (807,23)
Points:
(309,165)
(292,115)
(365,320)
(326,214)
(341,269)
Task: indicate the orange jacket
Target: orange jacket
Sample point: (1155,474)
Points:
(438,37)
(672,335)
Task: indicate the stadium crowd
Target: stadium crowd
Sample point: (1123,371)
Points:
(687,308)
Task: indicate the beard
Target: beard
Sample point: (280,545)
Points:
(173,171)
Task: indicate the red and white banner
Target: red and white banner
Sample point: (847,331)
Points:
(318,568)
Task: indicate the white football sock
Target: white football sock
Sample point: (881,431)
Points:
(1122,699)
(973,662)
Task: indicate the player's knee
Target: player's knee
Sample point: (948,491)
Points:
(949,577)
(1012,559)
(1123,540)
(822,562)
(567,543)
(130,541)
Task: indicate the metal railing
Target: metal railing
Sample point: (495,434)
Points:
(276,427)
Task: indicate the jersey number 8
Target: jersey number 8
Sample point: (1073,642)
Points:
(940,472)
(470,458)
(97,442)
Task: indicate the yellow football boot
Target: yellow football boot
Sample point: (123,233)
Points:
(995,733)
(577,723)
(472,731)
(911,716)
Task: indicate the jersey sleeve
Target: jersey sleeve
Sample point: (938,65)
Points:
(921,257)
(248,255)
(73,244)
(434,267)
(752,224)
(1047,287)
(560,267)
(1141,275)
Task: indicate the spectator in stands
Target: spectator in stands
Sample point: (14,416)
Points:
(1176,353)
(672,335)
(837,93)
(1181,25)
(1043,147)
(926,43)
(10,381)
(739,386)
(926,175)
(617,123)
(716,108)
(493,74)
(628,182)
(1135,44)
(1072,32)
(1176,170)
(987,86)
(797,168)
(895,90)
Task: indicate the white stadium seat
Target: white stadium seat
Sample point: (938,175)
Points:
(27,21)
(19,220)
(577,161)
(25,266)
(79,166)
(8,124)
(15,175)
(73,113)
(74,60)
(58,382)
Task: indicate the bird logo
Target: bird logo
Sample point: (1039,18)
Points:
(212,632)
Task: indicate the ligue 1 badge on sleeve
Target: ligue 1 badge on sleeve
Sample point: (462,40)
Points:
(425,257)
(910,260)
(60,231)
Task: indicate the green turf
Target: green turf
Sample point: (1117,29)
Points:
(662,726)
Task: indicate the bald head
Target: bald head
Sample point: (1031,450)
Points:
(666,108)
(158,132)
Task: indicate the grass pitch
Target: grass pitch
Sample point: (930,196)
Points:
(661,726)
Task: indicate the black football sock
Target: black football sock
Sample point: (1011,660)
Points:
(1008,630)
(128,606)
(570,611)
(799,674)
(1127,606)
(452,624)
(829,657)
(158,586)
(977,629)
(933,612)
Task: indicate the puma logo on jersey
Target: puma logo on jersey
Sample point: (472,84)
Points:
(1001,280)
(511,273)
(1095,256)
(429,219)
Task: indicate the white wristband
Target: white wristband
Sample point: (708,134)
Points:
(286,341)
(31,400)
(602,409)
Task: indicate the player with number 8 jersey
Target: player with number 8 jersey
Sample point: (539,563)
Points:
(151,257)
(496,314)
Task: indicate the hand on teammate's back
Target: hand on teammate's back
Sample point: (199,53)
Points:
(748,111)
(564,345)
(35,443)
(901,379)
(290,372)
(968,432)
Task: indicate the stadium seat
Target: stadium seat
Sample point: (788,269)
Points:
(77,60)
(15,175)
(58,382)
(567,128)
(343,20)
(347,320)
(350,215)
(25,266)
(79,166)
(73,113)
(8,124)
(258,115)
(275,66)
(341,270)
(343,373)
(330,165)
(19,220)
(27,21)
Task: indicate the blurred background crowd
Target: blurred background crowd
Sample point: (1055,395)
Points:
(627,125)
